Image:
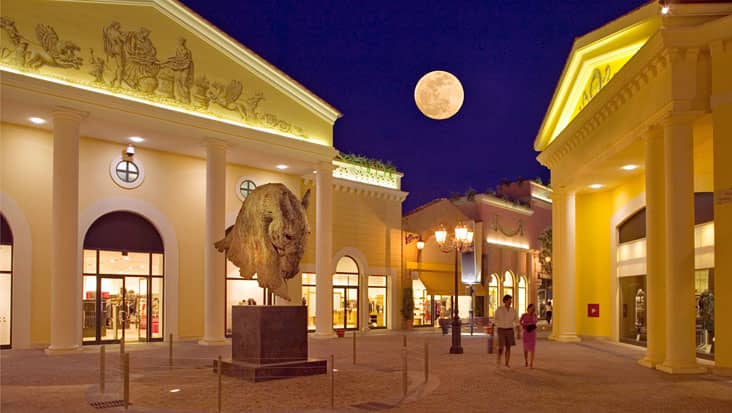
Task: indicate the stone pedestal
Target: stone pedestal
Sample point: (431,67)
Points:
(270,343)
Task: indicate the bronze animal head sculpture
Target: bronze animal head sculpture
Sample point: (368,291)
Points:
(268,238)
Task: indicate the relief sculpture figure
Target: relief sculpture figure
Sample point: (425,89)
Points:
(142,66)
(182,66)
(114,40)
(268,238)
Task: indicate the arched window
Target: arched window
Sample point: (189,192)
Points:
(345,294)
(122,293)
(508,285)
(6,282)
(493,295)
(522,298)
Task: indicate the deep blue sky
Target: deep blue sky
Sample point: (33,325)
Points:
(364,57)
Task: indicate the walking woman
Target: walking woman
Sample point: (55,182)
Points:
(528,324)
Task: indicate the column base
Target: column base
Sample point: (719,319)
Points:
(565,338)
(213,342)
(54,351)
(681,369)
(647,362)
(722,371)
(321,335)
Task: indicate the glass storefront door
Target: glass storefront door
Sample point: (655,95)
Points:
(118,306)
(345,307)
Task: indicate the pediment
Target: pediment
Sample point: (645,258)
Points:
(593,62)
(158,52)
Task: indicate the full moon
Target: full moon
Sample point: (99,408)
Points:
(439,95)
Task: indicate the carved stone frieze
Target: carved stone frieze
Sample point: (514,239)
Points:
(128,62)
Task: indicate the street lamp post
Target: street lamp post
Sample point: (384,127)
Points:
(461,241)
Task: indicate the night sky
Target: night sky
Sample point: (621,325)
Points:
(365,57)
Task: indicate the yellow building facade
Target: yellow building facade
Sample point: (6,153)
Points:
(131,132)
(636,137)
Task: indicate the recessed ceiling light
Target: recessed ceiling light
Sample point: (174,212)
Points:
(174,390)
(665,9)
(137,139)
(282,167)
(630,167)
(596,186)
(37,121)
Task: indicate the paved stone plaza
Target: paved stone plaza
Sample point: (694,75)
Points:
(589,376)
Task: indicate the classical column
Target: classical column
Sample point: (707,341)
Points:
(65,300)
(564,244)
(324,250)
(214,263)
(678,140)
(655,249)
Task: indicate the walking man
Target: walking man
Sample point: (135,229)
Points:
(506,321)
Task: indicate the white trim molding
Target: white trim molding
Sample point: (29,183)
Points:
(22,272)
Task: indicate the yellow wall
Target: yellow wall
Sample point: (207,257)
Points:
(369,224)
(594,277)
(26,159)
(593,262)
(171,181)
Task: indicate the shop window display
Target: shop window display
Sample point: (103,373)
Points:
(423,305)
(704,292)
(240,291)
(633,301)
(377,301)
(308,297)
(6,284)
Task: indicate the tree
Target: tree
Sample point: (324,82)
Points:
(545,238)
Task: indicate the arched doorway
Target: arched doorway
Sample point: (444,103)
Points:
(345,294)
(6,283)
(493,295)
(508,285)
(123,280)
(522,296)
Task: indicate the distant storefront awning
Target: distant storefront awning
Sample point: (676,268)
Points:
(442,283)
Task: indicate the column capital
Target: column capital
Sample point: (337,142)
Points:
(324,166)
(215,143)
(63,112)
(678,117)
(652,131)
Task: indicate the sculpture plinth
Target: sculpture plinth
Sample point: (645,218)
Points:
(269,343)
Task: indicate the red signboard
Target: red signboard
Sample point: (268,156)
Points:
(593,310)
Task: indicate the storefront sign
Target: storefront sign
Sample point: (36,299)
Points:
(593,310)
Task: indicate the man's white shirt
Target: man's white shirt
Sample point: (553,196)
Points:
(506,317)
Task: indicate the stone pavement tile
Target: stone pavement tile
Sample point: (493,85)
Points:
(589,376)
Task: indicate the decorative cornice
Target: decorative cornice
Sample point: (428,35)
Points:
(364,174)
(503,204)
(624,86)
(366,190)
(369,191)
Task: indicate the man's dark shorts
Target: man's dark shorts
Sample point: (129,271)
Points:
(505,337)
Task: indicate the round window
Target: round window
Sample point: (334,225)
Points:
(245,187)
(126,172)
